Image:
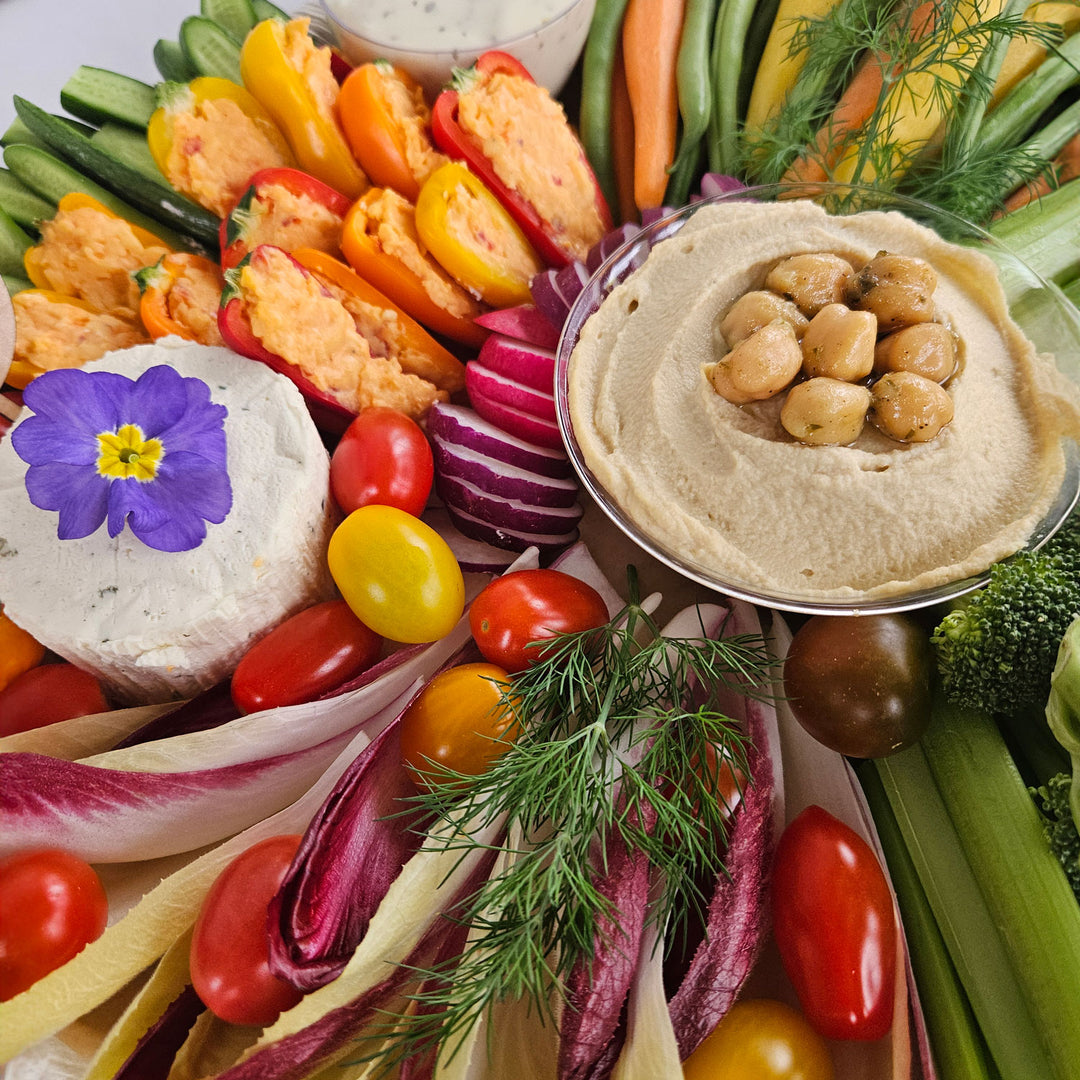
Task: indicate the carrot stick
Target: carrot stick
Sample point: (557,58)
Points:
(651,34)
(855,107)
(1065,166)
(622,141)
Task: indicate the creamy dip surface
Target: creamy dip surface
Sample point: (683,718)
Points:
(725,489)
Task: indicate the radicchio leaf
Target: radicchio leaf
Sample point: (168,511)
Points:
(206,710)
(354,848)
(153,1057)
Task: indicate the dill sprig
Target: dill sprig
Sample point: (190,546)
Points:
(623,735)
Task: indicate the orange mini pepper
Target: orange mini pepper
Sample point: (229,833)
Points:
(269,72)
(381,219)
(474,238)
(19,651)
(155,285)
(388,125)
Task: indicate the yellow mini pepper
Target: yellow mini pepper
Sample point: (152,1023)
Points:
(277,62)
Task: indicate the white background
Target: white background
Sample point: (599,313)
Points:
(43,41)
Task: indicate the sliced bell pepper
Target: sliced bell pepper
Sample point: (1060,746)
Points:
(313,213)
(380,242)
(292,79)
(181,293)
(387,326)
(340,359)
(208,136)
(516,138)
(473,237)
(81,339)
(388,125)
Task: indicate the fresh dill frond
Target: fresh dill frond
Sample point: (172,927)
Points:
(623,737)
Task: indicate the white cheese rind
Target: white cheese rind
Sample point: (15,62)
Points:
(157,625)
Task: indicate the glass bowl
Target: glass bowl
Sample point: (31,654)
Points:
(548,42)
(1040,309)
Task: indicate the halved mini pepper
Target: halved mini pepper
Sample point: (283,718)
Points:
(516,138)
(180,295)
(473,237)
(268,302)
(208,136)
(292,78)
(380,242)
(285,207)
(388,125)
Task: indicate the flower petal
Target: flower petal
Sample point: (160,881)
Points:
(129,497)
(76,491)
(190,481)
(158,399)
(84,401)
(40,439)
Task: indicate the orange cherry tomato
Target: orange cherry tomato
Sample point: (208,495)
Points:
(459,721)
(19,651)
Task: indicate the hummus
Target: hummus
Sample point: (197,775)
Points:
(723,489)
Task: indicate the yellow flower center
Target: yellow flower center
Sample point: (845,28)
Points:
(128,454)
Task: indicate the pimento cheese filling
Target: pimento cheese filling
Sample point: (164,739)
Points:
(523,133)
(407,105)
(312,62)
(297,319)
(52,335)
(291,221)
(193,302)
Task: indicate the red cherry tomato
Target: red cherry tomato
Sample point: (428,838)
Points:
(384,458)
(52,905)
(835,928)
(230,948)
(531,605)
(302,658)
(48,693)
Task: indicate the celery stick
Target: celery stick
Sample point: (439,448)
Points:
(969,932)
(1026,890)
(960,1052)
(1072,292)
(1046,232)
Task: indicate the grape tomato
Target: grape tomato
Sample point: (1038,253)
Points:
(47,694)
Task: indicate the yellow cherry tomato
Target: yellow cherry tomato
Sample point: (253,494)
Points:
(458,721)
(761,1040)
(19,651)
(397,574)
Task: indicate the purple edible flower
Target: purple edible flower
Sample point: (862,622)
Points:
(146,452)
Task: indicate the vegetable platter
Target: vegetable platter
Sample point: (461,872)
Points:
(499,795)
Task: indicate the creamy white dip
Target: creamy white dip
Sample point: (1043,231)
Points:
(723,487)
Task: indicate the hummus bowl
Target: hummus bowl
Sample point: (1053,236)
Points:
(722,494)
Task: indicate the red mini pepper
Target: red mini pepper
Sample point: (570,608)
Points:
(238,226)
(551,238)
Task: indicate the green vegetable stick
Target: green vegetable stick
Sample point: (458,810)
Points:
(694,83)
(733,24)
(967,927)
(1063,708)
(1024,885)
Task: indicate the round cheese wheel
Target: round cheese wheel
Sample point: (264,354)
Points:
(155,625)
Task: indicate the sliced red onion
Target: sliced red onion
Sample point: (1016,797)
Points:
(608,243)
(719,184)
(517,422)
(511,539)
(473,556)
(463,426)
(554,291)
(532,365)
(654,214)
(501,480)
(483,383)
(462,496)
(523,323)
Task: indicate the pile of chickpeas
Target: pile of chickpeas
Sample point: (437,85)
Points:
(844,345)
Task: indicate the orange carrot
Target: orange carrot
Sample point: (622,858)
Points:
(1065,166)
(622,141)
(855,107)
(651,33)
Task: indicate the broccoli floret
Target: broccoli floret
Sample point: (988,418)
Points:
(1059,827)
(997,650)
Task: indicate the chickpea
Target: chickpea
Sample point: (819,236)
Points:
(909,407)
(928,349)
(839,343)
(758,367)
(898,289)
(753,310)
(811,281)
(825,412)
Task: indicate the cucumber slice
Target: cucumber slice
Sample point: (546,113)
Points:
(13,245)
(237,17)
(265,10)
(96,95)
(210,49)
(127,145)
(14,283)
(155,197)
(53,178)
(18,132)
(172,64)
(25,207)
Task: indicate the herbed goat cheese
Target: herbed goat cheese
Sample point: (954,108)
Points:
(156,625)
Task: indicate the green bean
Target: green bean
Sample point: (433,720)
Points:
(729,40)
(695,95)
(596,75)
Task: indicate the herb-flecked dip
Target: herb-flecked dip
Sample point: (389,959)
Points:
(724,487)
